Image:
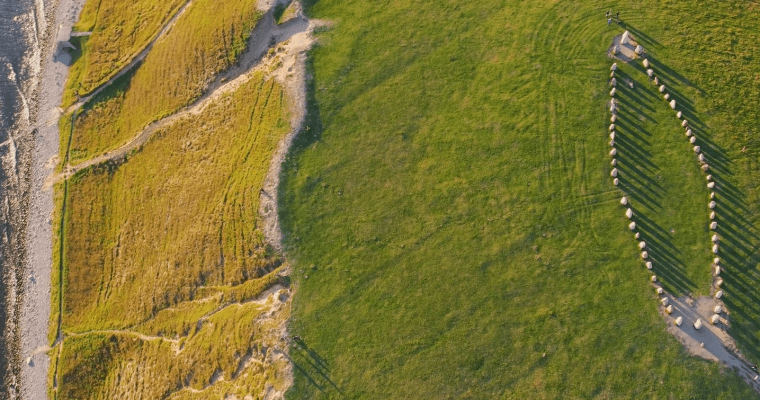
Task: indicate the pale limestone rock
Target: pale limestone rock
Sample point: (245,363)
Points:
(673,106)
(624,200)
(719,294)
(614,172)
(632,226)
(698,324)
(713,226)
(679,321)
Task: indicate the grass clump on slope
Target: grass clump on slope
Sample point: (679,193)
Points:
(163,256)
(206,39)
(120,30)
(452,192)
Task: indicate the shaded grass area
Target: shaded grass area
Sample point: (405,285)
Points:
(451,204)
(206,39)
(167,245)
(120,30)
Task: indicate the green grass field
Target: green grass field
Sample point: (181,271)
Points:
(168,245)
(120,30)
(206,39)
(451,220)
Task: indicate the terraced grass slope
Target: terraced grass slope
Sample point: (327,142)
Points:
(120,30)
(450,215)
(163,257)
(207,38)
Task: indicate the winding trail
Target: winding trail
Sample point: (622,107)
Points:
(136,60)
(254,59)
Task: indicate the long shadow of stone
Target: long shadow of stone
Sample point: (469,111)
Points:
(739,237)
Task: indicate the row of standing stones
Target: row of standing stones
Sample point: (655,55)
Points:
(716,269)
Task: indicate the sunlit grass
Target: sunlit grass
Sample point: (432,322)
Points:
(451,204)
(206,39)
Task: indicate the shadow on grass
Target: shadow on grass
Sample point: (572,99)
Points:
(739,250)
(310,364)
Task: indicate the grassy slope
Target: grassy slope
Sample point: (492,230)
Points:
(164,241)
(452,197)
(206,39)
(120,30)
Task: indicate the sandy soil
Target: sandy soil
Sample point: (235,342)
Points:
(626,53)
(36,306)
(710,342)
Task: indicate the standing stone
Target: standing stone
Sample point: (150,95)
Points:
(697,149)
(615,181)
(679,114)
(719,282)
(715,238)
(712,215)
(679,321)
(712,195)
(665,301)
(717,270)
(716,260)
(642,245)
(646,63)
(666,96)
(718,309)
(669,309)
(614,172)
(673,105)
(613,82)
(662,88)
(638,50)
(711,185)
(693,139)
(715,319)
(711,205)
(713,226)
(613,91)
(709,178)
(715,248)
(613,162)
(624,200)
(685,123)
(613,118)
(688,133)
(613,67)
(705,167)
(649,265)
(701,158)
(719,294)
(612,127)
(629,213)
(656,81)
(654,278)
(650,72)
(612,143)
(613,152)
(698,324)
(632,226)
